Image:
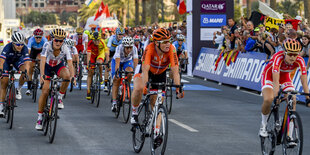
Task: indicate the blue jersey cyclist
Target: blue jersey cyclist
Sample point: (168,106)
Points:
(16,54)
(35,46)
(52,62)
(114,41)
(180,46)
(125,58)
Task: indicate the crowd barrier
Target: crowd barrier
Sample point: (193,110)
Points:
(244,72)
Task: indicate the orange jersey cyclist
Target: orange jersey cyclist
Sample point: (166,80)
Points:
(277,74)
(155,60)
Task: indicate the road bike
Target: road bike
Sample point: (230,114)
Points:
(80,70)
(168,94)
(124,96)
(10,100)
(35,79)
(287,131)
(148,119)
(95,87)
(50,113)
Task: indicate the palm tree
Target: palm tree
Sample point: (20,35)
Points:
(137,12)
(162,11)
(143,21)
(248,10)
(273,4)
(154,15)
(85,12)
(307,9)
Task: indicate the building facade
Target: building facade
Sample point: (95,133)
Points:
(54,6)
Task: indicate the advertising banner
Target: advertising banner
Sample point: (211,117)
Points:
(212,20)
(273,23)
(245,72)
(213,6)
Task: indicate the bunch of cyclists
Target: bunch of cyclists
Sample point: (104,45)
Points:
(60,55)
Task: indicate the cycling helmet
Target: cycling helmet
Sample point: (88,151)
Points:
(59,33)
(119,31)
(18,38)
(69,42)
(292,46)
(38,33)
(79,30)
(161,34)
(180,37)
(127,42)
(137,38)
(95,36)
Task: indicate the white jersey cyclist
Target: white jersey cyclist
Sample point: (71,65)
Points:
(50,57)
(121,54)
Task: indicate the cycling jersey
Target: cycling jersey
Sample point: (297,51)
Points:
(34,47)
(80,42)
(159,65)
(182,48)
(97,52)
(278,65)
(73,50)
(13,57)
(120,53)
(48,52)
(113,43)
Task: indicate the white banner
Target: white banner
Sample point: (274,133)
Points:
(189,41)
(206,34)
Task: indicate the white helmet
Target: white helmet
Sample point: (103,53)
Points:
(127,42)
(18,37)
(180,37)
(69,42)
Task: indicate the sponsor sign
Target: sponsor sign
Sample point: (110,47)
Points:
(212,20)
(206,34)
(273,23)
(245,72)
(213,6)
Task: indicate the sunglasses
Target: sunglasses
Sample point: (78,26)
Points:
(291,54)
(18,44)
(38,37)
(128,47)
(80,33)
(180,40)
(58,40)
(164,42)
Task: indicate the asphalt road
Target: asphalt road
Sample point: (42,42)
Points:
(210,120)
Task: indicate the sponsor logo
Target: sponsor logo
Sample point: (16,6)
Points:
(213,6)
(212,20)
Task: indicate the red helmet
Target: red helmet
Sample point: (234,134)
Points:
(136,38)
(38,32)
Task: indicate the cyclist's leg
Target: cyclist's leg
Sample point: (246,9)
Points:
(137,93)
(116,82)
(89,78)
(100,60)
(64,73)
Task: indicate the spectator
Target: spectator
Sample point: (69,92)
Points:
(250,28)
(291,33)
(281,39)
(305,46)
(218,38)
(249,41)
(266,45)
(232,25)
(274,37)
(238,42)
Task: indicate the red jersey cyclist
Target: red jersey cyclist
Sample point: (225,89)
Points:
(277,74)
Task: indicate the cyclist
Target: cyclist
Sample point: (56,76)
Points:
(35,46)
(180,46)
(81,40)
(52,60)
(139,45)
(125,58)
(277,74)
(96,52)
(74,53)
(155,60)
(15,53)
(114,41)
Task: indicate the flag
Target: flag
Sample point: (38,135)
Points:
(181,7)
(92,3)
(294,22)
(106,11)
(99,11)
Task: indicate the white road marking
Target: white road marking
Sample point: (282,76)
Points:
(183,125)
(250,93)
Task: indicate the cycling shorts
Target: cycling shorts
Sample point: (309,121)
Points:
(156,78)
(111,54)
(34,53)
(16,64)
(56,69)
(94,59)
(285,80)
(123,66)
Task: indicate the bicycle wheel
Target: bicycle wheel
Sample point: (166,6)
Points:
(138,131)
(7,112)
(35,84)
(126,102)
(268,144)
(159,140)
(168,99)
(11,105)
(71,85)
(98,90)
(296,136)
(45,121)
(93,90)
(53,116)
(80,76)
(109,85)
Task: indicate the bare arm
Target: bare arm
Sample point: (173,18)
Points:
(145,73)
(276,85)
(135,62)
(70,66)
(303,79)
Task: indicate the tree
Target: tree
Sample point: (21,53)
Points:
(38,18)
(248,5)
(137,12)
(85,12)
(273,4)
(307,9)
(154,14)
(289,7)
(143,21)
(162,11)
